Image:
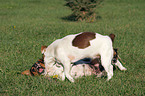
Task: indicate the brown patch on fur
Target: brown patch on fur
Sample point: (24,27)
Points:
(83,40)
(27,72)
(112,36)
(71,57)
(115,55)
(97,56)
(42,65)
(95,61)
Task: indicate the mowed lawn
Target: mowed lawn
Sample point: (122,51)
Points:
(26,25)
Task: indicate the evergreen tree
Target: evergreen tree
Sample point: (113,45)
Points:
(84,9)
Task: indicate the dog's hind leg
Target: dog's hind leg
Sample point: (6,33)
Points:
(120,65)
(108,68)
(106,63)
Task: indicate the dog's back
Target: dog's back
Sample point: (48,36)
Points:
(68,45)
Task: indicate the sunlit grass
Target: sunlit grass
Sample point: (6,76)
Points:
(26,25)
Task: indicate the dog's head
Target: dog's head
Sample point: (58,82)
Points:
(114,59)
(38,67)
(115,56)
(97,61)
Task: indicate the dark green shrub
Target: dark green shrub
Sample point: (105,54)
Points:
(84,9)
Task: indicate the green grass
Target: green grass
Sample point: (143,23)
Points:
(39,22)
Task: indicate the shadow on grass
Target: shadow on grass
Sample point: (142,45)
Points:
(69,18)
(73,18)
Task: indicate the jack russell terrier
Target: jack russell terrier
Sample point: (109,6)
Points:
(75,47)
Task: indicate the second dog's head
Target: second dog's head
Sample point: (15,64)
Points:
(38,67)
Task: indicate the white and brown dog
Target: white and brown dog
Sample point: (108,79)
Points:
(75,47)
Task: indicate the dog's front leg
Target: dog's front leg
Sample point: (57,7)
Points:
(67,68)
(49,61)
(120,66)
(63,58)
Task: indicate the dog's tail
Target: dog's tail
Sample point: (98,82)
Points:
(112,36)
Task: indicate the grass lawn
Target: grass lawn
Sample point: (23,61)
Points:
(26,25)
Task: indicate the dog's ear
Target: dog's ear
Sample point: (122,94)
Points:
(27,72)
(115,50)
(112,36)
(43,49)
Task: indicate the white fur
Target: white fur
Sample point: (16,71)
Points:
(76,71)
(120,65)
(62,50)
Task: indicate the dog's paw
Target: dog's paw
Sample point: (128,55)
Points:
(108,78)
(123,69)
(101,74)
(72,80)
